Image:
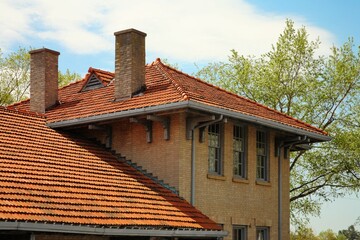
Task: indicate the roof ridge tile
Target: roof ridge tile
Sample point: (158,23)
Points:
(236,95)
(160,65)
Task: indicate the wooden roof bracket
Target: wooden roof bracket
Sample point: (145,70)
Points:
(165,121)
(192,122)
(147,125)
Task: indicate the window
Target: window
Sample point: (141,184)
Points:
(239,142)
(239,233)
(261,156)
(262,233)
(215,163)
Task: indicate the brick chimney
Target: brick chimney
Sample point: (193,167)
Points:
(129,63)
(43,79)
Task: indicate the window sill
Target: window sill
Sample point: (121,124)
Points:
(240,180)
(216,177)
(263,183)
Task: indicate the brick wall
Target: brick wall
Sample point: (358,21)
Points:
(160,157)
(230,201)
(57,236)
(226,200)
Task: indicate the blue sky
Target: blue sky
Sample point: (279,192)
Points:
(184,32)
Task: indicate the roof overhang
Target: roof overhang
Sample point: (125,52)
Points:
(192,105)
(109,231)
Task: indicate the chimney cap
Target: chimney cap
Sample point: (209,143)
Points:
(44,50)
(129,31)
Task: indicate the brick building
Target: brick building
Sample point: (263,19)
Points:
(225,155)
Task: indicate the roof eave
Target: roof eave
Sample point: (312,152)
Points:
(261,121)
(110,231)
(193,105)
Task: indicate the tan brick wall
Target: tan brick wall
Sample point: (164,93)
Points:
(232,202)
(57,236)
(160,157)
(226,200)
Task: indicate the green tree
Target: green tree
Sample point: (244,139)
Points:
(351,233)
(67,77)
(320,90)
(331,235)
(303,233)
(15,76)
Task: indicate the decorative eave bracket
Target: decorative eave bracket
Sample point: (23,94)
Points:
(192,122)
(165,121)
(148,127)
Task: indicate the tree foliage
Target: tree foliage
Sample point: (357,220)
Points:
(306,233)
(15,76)
(67,77)
(320,90)
(351,233)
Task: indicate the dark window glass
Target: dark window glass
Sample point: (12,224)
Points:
(239,233)
(214,148)
(261,156)
(262,233)
(239,151)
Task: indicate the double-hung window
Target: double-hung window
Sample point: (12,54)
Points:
(262,156)
(239,233)
(239,154)
(214,138)
(262,233)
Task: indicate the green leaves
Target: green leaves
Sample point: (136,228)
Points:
(68,77)
(15,76)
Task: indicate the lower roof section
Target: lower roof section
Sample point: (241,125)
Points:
(58,179)
(110,231)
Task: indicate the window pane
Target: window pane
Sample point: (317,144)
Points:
(236,163)
(214,148)
(239,150)
(212,159)
(239,233)
(261,156)
(262,233)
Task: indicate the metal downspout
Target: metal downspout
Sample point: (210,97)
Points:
(192,197)
(193,153)
(280,209)
(280,192)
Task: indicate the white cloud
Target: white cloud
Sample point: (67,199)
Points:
(181,30)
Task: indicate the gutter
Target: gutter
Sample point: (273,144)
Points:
(108,231)
(193,105)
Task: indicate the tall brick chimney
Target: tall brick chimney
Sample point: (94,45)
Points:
(43,79)
(129,63)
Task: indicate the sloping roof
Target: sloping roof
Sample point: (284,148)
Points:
(165,85)
(49,176)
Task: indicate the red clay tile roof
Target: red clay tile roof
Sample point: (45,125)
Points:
(164,85)
(54,177)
